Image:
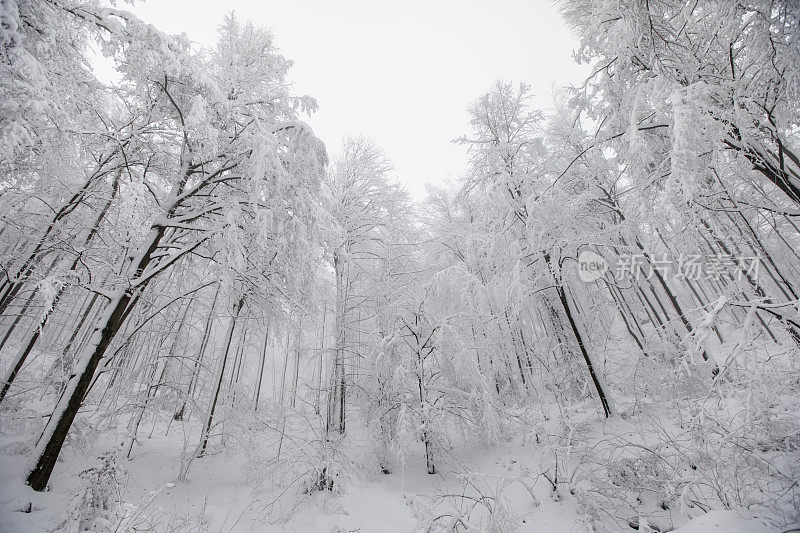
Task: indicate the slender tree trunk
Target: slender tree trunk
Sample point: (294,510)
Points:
(292,401)
(237,365)
(199,359)
(148,394)
(55,432)
(285,368)
(337,398)
(622,315)
(321,359)
(220,374)
(515,346)
(565,305)
(261,364)
(29,264)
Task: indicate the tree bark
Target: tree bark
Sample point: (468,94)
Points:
(33,336)
(261,364)
(55,432)
(220,374)
(565,305)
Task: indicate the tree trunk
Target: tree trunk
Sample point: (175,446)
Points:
(34,256)
(337,398)
(261,364)
(55,432)
(292,401)
(220,374)
(625,321)
(565,304)
(198,360)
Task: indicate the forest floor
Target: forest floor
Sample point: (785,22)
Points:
(216,496)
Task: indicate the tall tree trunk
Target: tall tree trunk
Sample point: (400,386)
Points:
(337,397)
(33,335)
(237,366)
(199,359)
(292,401)
(624,317)
(320,365)
(55,432)
(565,305)
(237,307)
(261,364)
(285,368)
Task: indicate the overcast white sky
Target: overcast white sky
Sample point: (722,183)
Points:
(401,73)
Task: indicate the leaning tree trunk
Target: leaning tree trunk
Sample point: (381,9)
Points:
(199,359)
(261,364)
(33,335)
(12,287)
(220,374)
(57,428)
(109,324)
(562,296)
(624,317)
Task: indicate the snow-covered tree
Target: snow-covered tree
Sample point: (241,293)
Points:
(229,143)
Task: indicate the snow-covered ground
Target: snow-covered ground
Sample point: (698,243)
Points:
(490,488)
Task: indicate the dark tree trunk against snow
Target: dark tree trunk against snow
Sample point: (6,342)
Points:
(517,349)
(57,428)
(653,315)
(261,365)
(625,319)
(423,351)
(565,305)
(611,202)
(320,364)
(55,432)
(199,359)
(776,169)
(122,301)
(337,397)
(236,369)
(295,380)
(430,465)
(237,307)
(757,288)
(33,335)
(13,285)
(285,368)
